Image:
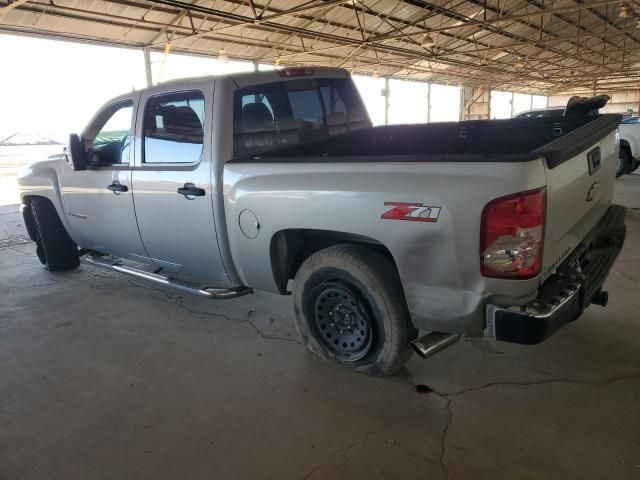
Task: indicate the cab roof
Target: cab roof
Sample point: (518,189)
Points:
(247,79)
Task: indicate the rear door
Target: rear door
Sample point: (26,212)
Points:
(172,183)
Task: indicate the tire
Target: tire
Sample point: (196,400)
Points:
(624,163)
(349,307)
(54,247)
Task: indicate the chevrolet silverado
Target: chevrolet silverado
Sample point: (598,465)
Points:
(387,238)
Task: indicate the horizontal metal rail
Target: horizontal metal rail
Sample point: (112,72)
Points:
(208,292)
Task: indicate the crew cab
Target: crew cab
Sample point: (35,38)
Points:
(387,238)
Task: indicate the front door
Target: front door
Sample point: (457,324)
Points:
(173,184)
(99,201)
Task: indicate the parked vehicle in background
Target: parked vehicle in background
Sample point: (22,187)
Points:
(630,144)
(629,129)
(277,181)
(554,112)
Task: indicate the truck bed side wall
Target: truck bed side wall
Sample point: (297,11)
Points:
(438,262)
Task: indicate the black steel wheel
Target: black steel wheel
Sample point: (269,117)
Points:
(55,249)
(350,308)
(341,321)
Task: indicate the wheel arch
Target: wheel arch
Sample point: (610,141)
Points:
(29,220)
(291,247)
(44,182)
(625,145)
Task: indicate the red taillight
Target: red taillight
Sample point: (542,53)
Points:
(512,235)
(296,72)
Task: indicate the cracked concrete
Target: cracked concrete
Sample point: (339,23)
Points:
(443,441)
(107,377)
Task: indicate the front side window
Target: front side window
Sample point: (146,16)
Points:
(291,112)
(173,128)
(112,142)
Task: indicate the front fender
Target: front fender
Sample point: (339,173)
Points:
(42,179)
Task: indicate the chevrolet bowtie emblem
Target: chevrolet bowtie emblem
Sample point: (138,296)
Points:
(593,191)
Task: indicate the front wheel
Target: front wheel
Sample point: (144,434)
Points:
(55,249)
(350,307)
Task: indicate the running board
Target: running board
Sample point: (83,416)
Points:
(216,293)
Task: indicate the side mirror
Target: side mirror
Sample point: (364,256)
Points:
(78,153)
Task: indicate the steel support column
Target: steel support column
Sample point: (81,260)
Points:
(386,100)
(147,65)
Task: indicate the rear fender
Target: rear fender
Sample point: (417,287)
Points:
(435,251)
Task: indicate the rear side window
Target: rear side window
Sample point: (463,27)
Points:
(173,128)
(287,113)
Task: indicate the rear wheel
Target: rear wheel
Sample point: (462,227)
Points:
(349,307)
(624,163)
(54,247)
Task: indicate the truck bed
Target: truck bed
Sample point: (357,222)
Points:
(345,182)
(513,140)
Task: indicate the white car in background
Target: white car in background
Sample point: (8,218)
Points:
(630,144)
(629,131)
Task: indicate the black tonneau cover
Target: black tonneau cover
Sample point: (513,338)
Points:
(513,140)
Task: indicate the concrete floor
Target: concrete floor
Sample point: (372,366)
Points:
(102,377)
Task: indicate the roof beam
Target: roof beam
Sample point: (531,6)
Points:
(10,6)
(498,19)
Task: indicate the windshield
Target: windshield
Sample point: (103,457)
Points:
(288,113)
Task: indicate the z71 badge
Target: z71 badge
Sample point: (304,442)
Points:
(413,212)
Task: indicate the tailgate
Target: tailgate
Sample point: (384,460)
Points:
(580,173)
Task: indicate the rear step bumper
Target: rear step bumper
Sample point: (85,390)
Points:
(215,293)
(564,296)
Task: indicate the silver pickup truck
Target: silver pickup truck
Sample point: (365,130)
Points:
(387,238)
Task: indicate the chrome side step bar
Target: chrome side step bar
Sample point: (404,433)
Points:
(216,293)
(433,342)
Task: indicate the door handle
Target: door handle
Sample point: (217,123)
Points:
(117,188)
(190,191)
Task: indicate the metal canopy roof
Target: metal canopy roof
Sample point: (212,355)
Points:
(530,45)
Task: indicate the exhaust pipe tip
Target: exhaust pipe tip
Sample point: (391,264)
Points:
(434,342)
(417,349)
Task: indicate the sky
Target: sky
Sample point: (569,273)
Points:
(52,88)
